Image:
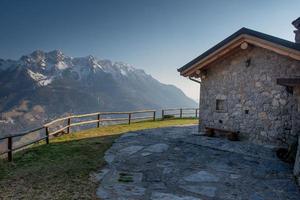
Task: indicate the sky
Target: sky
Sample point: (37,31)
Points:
(158,36)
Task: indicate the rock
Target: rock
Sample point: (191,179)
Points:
(168,196)
(264,133)
(158,186)
(167,170)
(109,158)
(277,96)
(129,135)
(95,177)
(128,190)
(166,164)
(267,94)
(282,101)
(208,191)
(102,193)
(256,197)
(221,97)
(258,84)
(238,105)
(274,92)
(201,176)
(263,77)
(223,167)
(131,149)
(146,153)
(157,148)
(234,176)
(263,115)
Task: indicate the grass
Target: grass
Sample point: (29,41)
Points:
(125,178)
(62,169)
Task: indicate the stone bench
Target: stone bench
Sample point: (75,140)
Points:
(231,135)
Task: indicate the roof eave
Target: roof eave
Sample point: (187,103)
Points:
(278,45)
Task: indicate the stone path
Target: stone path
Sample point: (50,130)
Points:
(176,164)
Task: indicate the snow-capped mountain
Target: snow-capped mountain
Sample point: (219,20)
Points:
(44,85)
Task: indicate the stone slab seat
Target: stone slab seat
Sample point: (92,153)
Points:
(230,134)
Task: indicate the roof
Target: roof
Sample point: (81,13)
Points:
(243,33)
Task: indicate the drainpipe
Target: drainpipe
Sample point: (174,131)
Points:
(197,81)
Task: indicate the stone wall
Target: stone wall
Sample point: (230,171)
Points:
(255,105)
(296,130)
(297,164)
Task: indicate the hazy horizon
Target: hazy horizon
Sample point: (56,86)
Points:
(157,36)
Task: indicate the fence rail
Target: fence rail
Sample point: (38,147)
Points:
(179,112)
(57,127)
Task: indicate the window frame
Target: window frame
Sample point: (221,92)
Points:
(220,105)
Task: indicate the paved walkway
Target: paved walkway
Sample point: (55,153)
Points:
(175,164)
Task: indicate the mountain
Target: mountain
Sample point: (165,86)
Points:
(45,85)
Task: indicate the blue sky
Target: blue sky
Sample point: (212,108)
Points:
(158,36)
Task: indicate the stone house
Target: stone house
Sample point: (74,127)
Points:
(250,82)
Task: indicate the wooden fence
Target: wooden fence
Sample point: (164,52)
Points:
(63,125)
(179,112)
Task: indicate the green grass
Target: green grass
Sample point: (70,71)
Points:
(62,169)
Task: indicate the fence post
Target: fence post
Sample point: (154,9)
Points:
(69,123)
(129,118)
(154,113)
(47,134)
(196,112)
(10,149)
(162,114)
(180,113)
(98,123)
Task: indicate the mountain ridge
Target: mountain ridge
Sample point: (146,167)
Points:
(43,85)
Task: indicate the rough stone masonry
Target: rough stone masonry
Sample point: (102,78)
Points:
(253,102)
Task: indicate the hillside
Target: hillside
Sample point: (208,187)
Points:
(45,85)
(64,167)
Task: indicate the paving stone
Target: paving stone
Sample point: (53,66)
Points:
(201,176)
(157,148)
(109,158)
(167,170)
(235,176)
(146,153)
(99,176)
(256,197)
(158,186)
(129,135)
(219,166)
(176,164)
(131,149)
(128,190)
(102,193)
(165,164)
(167,196)
(208,191)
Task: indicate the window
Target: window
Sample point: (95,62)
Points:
(220,105)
